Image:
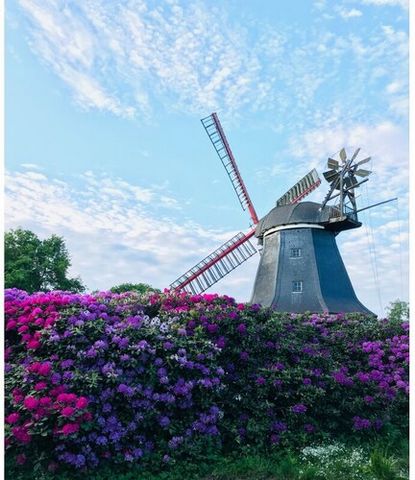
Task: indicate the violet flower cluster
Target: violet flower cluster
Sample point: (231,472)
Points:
(124,378)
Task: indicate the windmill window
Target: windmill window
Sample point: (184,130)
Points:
(295,252)
(298,286)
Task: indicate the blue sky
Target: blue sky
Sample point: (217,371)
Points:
(104,143)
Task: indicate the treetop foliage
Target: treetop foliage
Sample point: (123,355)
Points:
(36,265)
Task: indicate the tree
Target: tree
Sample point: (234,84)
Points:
(398,311)
(36,265)
(134,287)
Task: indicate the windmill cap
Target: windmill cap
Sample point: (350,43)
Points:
(303,212)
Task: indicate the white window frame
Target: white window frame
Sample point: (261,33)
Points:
(293,252)
(297,286)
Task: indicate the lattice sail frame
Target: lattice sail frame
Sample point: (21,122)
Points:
(217,136)
(301,189)
(218,264)
(238,249)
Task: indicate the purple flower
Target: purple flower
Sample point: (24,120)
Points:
(309,428)
(241,328)
(307,381)
(212,328)
(244,356)
(143,344)
(361,423)
(299,408)
(164,421)
(279,426)
(220,342)
(260,381)
(341,378)
(363,377)
(167,345)
(175,442)
(274,438)
(125,390)
(67,364)
(278,366)
(101,345)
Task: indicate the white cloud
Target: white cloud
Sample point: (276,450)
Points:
(389,3)
(130,57)
(352,13)
(115,231)
(31,166)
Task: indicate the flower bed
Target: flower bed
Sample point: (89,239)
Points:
(124,378)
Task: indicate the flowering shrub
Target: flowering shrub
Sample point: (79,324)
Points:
(124,378)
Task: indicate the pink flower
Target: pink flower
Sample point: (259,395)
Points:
(40,386)
(82,402)
(68,411)
(45,369)
(33,344)
(31,403)
(17,395)
(70,428)
(11,324)
(12,418)
(66,397)
(45,401)
(34,367)
(21,434)
(57,391)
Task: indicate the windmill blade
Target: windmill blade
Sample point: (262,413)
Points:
(216,265)
(331,175)
(362,173)
(350,182)
(343,155)
(356,153)
(331,163)
(217,137)
(301,189)
(365,160)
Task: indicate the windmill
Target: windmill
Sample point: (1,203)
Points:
(300,268)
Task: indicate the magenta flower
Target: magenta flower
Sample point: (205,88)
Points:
(82,402)
(12,418)
(45,369)
(67,411)
(70,428)
(31,403)
(40,386)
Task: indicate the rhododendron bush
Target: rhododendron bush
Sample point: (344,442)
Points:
(127,378)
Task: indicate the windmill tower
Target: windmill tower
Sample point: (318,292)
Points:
(300,267)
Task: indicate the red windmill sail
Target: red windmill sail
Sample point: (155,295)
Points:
(238,249)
